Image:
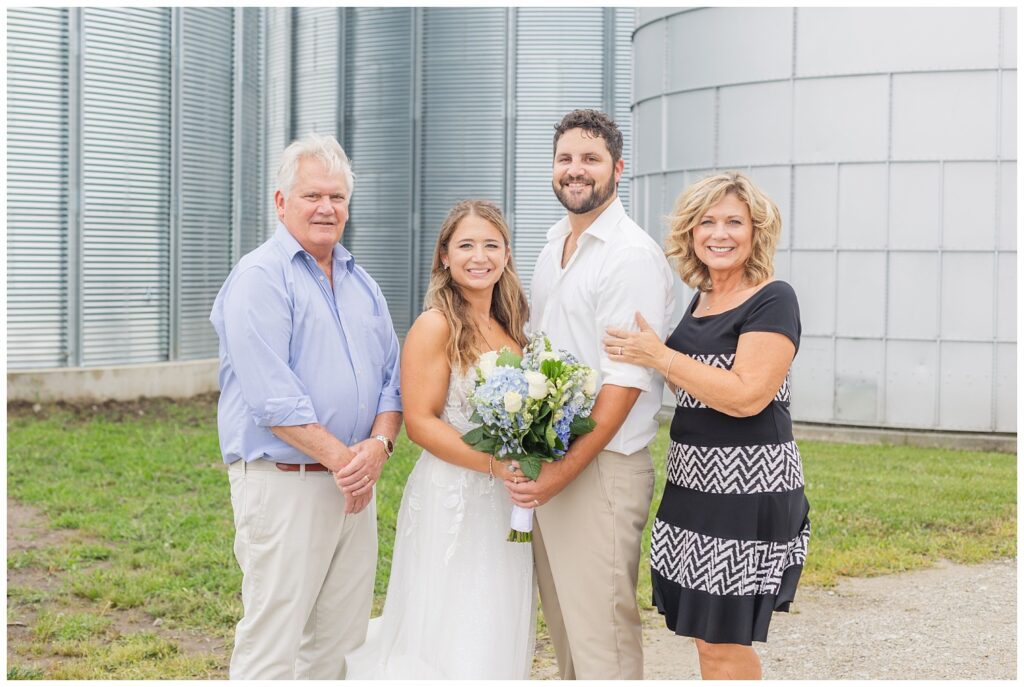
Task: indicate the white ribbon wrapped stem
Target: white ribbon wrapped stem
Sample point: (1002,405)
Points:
(522,519)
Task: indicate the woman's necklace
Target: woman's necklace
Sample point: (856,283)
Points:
(490,328)
(707,295)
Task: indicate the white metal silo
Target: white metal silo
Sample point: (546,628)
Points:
(888,139)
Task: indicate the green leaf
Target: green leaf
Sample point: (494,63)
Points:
(508,358)
(543,416)
(581,425)
(488,445)
(475,417)
(530,465)
(551,368)
(537,447)
(474,436)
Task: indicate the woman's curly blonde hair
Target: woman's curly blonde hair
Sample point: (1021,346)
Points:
(691,206)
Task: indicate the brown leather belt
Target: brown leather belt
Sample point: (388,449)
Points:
(295,467)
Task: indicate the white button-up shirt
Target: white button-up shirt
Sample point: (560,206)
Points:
(616,270)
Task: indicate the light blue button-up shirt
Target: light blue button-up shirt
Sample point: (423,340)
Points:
(295,351)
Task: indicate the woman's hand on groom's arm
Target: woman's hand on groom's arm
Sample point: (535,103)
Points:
(643,347)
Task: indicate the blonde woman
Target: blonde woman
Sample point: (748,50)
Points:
(731,534)
(460,598)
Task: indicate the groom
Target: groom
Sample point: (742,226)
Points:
(596,271)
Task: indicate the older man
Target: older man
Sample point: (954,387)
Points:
(309,387)
(596,271)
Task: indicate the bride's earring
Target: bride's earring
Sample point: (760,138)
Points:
(445,265)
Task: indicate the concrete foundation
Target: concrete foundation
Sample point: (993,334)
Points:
(189,378)
(846,434)
(966,441)
(180,379)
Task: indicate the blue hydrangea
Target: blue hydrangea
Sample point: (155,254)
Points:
(489,401)
(562,432)
(564,396)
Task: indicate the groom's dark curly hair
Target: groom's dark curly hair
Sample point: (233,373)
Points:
(595,123)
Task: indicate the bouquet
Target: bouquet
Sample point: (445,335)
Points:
(529,408)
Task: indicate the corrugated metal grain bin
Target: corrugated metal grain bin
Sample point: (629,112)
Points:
(888,139)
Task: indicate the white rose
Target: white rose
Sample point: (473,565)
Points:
(590,383)
(538,384)
(488,361)
(513,402)
(548,355)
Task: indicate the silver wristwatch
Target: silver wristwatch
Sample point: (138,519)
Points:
(389,446)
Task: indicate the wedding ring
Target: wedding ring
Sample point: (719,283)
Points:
(510,467)
(515,480)
(536,502)
(366,478)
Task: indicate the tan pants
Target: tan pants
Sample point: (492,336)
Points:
(307,573)
(586,545)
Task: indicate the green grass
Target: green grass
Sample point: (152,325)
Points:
(141,656)
(19,673)
(878,510)
(146,504)
(60,627)
(389,497)
(151,495)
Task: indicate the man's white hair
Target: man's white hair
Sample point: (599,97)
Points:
(326,149)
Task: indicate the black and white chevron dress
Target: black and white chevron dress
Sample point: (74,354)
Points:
(731,534)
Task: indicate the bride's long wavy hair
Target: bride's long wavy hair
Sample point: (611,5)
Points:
(509,306)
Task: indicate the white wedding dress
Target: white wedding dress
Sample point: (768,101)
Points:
(460,601)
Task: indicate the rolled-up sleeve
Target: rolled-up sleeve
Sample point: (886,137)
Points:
(257,327)
(635,281)
(390,395)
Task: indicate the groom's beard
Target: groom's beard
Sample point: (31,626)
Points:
(586,201)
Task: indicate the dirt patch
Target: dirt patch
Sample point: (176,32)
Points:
(204,405)
(133,621)
(545,663)
(27,529)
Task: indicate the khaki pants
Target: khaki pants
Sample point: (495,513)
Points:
(586,547)
(307,573)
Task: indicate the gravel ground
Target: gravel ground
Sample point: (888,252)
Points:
(946,622)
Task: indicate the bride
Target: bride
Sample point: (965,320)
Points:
(460,601)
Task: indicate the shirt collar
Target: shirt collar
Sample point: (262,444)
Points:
(603,227)
(341,255)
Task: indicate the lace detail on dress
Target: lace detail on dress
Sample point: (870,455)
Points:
(441,617)
(457,409)
(451,481)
